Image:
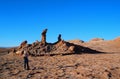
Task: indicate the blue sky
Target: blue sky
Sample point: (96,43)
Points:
(75,19)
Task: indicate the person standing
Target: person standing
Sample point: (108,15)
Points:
(26,61)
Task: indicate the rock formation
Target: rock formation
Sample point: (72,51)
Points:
(97,39)
(23,44)
(43,41)
(43,48)
(76,41)
(59,37)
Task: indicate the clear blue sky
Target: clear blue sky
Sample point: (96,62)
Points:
(75,19)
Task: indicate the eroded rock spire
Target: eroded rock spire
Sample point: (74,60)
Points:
(43,40)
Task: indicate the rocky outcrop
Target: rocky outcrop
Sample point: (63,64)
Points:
(23,44)
(43,48)
(43,41)
(60,47)
(59,37)
(37,49)
(76,41)
(97,39)
(117,39)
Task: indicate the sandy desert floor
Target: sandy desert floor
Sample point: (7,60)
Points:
(76,66)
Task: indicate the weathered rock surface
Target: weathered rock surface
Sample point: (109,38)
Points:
(97,39)
(43,48)
(43,41)
(76,41)
(60,47)
(22,45)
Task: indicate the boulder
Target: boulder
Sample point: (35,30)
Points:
(23,44)
(18,52)
(71,48)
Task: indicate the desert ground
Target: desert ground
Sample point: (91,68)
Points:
(104,65)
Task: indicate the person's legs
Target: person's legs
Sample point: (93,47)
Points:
(24,63)
(27,65)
